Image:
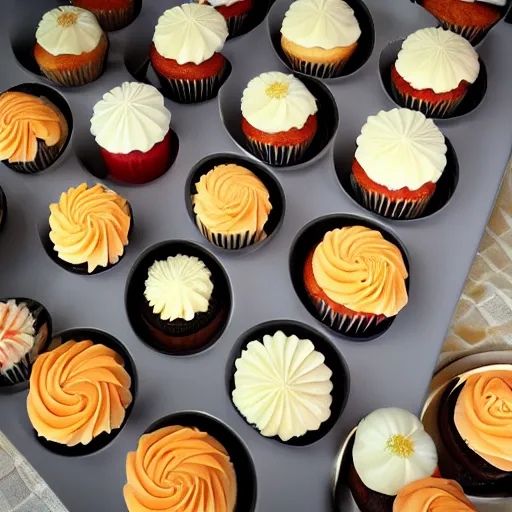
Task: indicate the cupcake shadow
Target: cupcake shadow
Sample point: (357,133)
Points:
(105,438)
(344,152)
(333,360)
(308,238)
(472,100)
(230,96)
(247,487)
(3,209)
(361,55)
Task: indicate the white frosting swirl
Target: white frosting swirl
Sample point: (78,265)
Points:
(129,118)
(437,59)
(501,3)
(190,33)
(178,287)
(276,102)
(401,148)
(326,24)
(68,30)
(283,386)
(219,3)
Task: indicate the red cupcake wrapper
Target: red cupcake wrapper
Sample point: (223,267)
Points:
(440,109)
(238,241)
(278,155)
(472,34)
(115,19)
(379,203)
(329,70)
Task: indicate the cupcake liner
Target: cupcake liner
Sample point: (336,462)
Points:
(440,109)
(238,241)
(191,91)
(472,34)
(324,70)
(115,19)
(379,203)
(19,373)
(46,156)
(236,24)
(278,155)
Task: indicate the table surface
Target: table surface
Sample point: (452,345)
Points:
(391,371)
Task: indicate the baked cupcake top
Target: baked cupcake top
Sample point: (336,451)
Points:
(17,333)
(275,102)
(130,117)
(90,225)
(24,121)
(391,450)
(483,416)
(437,59)
(283,386)
(178,287)
(401,148)
(190,33)
(432,495)
(325,24)
(78,391)
(68,30)
(179,469)
(361,270)
(231,199)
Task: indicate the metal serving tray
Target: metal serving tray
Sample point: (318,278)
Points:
(393,370)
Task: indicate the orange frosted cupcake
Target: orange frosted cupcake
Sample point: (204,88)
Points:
(399,158)
(111,14)
(185,52)
(278,118)
(71,48)
(231,206)
(470,19)
(180,469)
(235,12)
(356,279)
(433,71)
(89,228)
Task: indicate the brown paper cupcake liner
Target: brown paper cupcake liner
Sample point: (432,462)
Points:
(230,241)
(46,156)
(325,70)
(440,109)
(19,373)
(472,34)
(379,203)
(115,19)
(236,24)
(278,155)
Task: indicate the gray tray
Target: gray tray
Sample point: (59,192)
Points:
(393,370)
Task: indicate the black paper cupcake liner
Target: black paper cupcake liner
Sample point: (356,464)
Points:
(236,24)
(472,34)
(45,157)
(318,70)
(115,19)
(278,155)
(238,241)
(3,209)
(77,77)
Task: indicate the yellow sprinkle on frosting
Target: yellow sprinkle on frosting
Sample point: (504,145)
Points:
(400,446)
(277,90)
(66,19)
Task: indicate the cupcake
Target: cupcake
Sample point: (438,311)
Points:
(235,12)
(111,14)
(179,469)
(71,48)
(33,132)
(282,386)
(24,331)
(132,128)
(432,495)
(278,118)
(433,71)
(356,279)
(475,422)
(400,157)
(391,450)
(185,52)
(89,228)
(469,18)
(181,304)
(319,36)
(231,206)
(78,391)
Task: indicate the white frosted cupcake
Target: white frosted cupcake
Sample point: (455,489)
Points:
(185,52)
(235,12)
(319,36)
(278,118)
(71,47)
(433,71)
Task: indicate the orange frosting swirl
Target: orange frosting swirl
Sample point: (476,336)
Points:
(359,269)
(179,469)
(77,391)
(483,416)
(432,495)
(231,199)
(23,120)
(90,225)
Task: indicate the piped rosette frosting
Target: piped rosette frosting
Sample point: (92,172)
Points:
(78,391)
(180,469)
(90,226)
